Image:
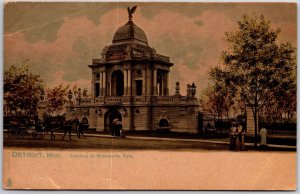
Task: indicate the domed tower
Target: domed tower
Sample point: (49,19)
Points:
(129,66)
(130,82)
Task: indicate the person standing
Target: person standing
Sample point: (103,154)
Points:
(114,127)
(240,141)
(119,128)
(232,134)
(83,126)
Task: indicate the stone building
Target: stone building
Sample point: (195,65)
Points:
(130,81)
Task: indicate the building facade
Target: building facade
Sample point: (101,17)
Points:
(130,81)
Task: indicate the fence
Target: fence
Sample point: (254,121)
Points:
(286,129)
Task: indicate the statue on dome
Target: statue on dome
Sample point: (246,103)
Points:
(131,11)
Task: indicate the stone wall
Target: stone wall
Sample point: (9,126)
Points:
(180,118)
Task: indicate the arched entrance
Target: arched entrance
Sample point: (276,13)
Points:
(117,83)
(109,116)
(163,123)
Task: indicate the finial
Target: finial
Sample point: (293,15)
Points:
(130,12)
(177,89)
(188,90)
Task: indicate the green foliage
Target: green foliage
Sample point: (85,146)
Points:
(257,70)
(56,99)
(22,91)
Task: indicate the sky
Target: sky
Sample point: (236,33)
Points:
(61,39)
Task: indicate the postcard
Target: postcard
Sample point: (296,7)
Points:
(149,96)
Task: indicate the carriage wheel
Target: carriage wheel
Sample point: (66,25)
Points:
(9,134)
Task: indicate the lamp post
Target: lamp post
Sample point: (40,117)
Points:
(84,93)
(79,96)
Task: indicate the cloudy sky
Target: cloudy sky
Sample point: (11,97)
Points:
(61,39)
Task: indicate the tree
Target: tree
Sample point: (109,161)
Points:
(22,91)
(56,99)
(255,65)
(216,99)
(212,101)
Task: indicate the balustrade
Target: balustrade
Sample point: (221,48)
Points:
(119,100)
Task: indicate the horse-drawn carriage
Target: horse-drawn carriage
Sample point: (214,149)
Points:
(26,127)
(22,127)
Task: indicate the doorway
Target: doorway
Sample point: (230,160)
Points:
(109,117)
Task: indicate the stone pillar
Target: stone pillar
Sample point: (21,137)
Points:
(188,90)
(148,81)
(167,84)
(101,84)
(93,85)
(129,82)
(125,82)
(104,83)
(144,82)
(162,84)
(154,82)
(177,89)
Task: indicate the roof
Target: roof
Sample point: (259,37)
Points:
(130,33)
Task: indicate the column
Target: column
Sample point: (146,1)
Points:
(129,82)
(144,82)
(167,84)
(93,85)
(154,82)
(104,83)
(162,84)
(101,84)
(125,82)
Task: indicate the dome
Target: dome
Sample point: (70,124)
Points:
(130,32)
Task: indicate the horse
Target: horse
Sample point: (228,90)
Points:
(70,125)
(83,126)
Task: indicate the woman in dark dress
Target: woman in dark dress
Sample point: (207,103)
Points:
(233,136)
(114,127)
